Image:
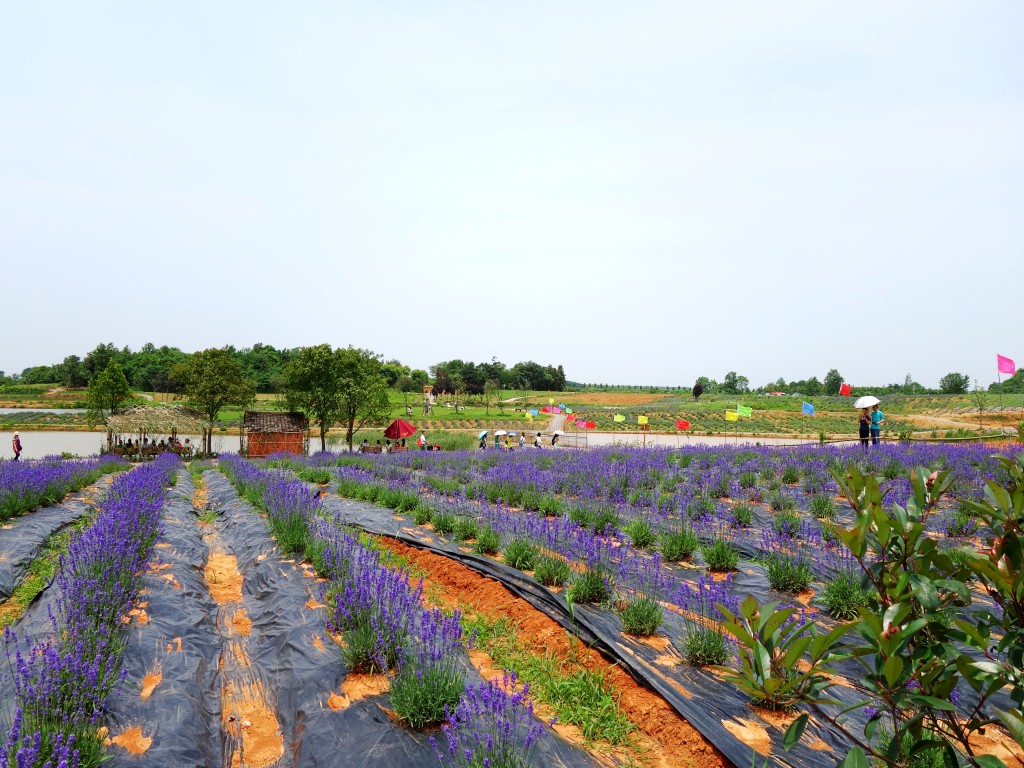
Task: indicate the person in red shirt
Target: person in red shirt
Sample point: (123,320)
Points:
(16,446)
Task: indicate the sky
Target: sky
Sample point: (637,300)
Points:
(642,193)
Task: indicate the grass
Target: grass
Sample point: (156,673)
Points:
(40,571)
(578,696)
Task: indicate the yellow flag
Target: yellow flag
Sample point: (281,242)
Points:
(732,416)
(529,416)
(641,419)
(551,401)
(618,417)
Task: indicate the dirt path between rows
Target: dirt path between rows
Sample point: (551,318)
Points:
(668,739)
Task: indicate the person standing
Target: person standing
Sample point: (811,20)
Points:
(536,441)
(16,445)
(876,424)
(864,425)
(522,441)
(423,440)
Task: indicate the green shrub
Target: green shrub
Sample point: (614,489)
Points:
(582,516)
(552,571)
(640,533)
(465,529)
(422,514)
(787,523)
(823,507)
(720,556)
(521,554)
(318,475)
(742,516)
(842,597)
(550,506)
(788,575)
(444,523)
(678,545)
(606,521)
(779,501)
(590,586)
(641,616)
(748,479)
(699,508)
(893,470)
(704,647)
(488,542)
(790,475)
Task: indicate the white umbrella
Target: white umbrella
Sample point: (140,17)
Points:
(558,432)
(500,432)
(866,402)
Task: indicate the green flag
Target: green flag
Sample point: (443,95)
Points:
(618,417)
(743,410)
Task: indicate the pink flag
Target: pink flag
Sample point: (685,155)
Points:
(581,423)
(1006,365)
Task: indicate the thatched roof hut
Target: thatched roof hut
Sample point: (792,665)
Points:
(266,432)
(156,420)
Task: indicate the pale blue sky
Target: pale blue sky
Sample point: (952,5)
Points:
(643,193)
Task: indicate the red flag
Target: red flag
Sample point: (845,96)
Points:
(680,424)
(546,409)
(845,389)
(591,424)
(1005,365)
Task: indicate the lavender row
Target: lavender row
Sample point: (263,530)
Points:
(385,629)
(25,485)
(62,679)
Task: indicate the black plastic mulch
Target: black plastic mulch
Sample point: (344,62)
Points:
(710,704)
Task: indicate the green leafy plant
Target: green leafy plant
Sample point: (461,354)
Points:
(720,556)
(552,571)
(823,507)
(590,586)
(640,533)
(641,616)
(843,597)
(741,516)
(678,545)
(788,574)
(444,523)
(422,514)
(704,647)
(465,529)
(521,554)
(488,542)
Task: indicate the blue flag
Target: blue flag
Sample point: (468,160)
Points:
(533,412)
(808,409)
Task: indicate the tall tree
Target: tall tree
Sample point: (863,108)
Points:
(210,380)
(313,383)
(108,391)
(364,389)
(73,373)
(954,383)
(833,381)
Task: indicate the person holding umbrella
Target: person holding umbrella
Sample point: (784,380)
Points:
(876,424)
(864,426)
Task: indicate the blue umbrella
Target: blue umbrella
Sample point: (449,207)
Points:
(482,435)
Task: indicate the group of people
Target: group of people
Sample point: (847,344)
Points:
(522,441)
(870,425)
(170,444)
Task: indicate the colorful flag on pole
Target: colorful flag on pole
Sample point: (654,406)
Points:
(1005,365)
(533,412)
(641,419)
(591,425)
(680,424)
(845,389)
(546,409)
(529,415)
(568,410)
(581,423)
(744,410)
(618,417)
(551,401)
(556,409)
(562,406)
(808,409)
(732,416)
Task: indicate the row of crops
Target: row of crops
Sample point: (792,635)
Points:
(673,542)
(725,579)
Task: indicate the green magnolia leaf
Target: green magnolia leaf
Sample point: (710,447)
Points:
(892,669)
(795,731)
(1014,723)
(989,761)
(855,759)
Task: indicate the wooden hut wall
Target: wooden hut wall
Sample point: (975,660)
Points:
(261,444)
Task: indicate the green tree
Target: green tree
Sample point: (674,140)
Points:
(313,384)
(733,384)
(492,393)
(97,361)
(364,390)
(73,373)
(107,392)
(833,381)
(954,384)
(210,380)
(812,386)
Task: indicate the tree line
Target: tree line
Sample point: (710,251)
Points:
(149,370)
